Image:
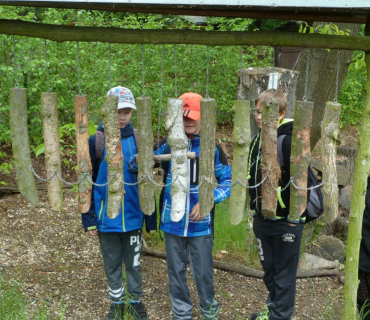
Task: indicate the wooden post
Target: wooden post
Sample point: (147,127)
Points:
(83,155)
(362,169)
(145,160)
(114,156)
(178,142)
(270,165)
(207,155)
(21,145)
(241,140)
(329,134)
(49,113)
(300,157)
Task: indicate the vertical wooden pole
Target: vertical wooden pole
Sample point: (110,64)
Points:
(178,142)
(241,140)
(329,134)
(145,132)
(83,156)
(21,145)
(49,113)
(114,156)
(358,201)
(300,157)
(207,155)
(270,163)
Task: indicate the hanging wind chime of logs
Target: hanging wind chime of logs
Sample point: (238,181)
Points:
(20,145)
(114,156)
(83,156)
(49,113)
(145,161)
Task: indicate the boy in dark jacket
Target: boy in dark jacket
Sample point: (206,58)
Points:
(278,238)
(120,238)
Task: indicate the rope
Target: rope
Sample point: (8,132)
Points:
(16,85)
(143,69)
(337,78)
(306,80)
(47,66)
(207,94)
(78,68)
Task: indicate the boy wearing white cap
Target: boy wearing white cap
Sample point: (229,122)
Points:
(120,238)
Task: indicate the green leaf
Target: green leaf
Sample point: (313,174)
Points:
(40,150)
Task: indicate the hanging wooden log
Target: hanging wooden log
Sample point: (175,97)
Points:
(168,157)
(114,156)
(329,134)
(49,113)
(178,142)
(241,140)
(300,157)
(145,161)
(83,156)
(20,145)
(270,165)
(207,155)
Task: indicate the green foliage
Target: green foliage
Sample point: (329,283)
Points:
(327,28)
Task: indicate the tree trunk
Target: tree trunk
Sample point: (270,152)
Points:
(241,140)
(178,142)
(21,146)
(321,86)
(300,158)
(270,165)
(114,157)
(83,155)
(358,202)
(49,113)
(145,132)
(329,133)
(207,156)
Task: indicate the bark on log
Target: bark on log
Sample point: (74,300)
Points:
(145,132)
(49,113)
(226,266)
(211,38)
(270,165)
(178,142)
(168,157)
(362,169)
(207,155)
(329,133)
(21,146)
(114,156)
(241,140)
(43,187)
(300,158)
(83,155)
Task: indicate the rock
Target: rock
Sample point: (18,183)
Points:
(309,261)
(329,248)
(343,174)
(345,194)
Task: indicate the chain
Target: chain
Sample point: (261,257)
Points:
(109,67)
(175,56)
(337,78)
(47,66)
(207,94)
(78,68)
(308,189)
(143,69)
(15,66)
(307,69)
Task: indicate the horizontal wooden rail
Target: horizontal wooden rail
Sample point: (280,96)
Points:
(200,37)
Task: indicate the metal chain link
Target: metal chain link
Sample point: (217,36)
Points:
(337,78)
(78,68)
(143,68)
(207,94)
(307,69)
(16,85)
(175,56)
(47,65)
(109,67)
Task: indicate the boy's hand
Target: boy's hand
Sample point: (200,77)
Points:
(93,232)
(195,214)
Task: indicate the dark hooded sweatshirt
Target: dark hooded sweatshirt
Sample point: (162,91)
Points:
(255,173)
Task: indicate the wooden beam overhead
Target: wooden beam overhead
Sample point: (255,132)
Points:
(199,37)
(305,13)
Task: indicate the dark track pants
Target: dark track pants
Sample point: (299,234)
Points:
(124,247)
(199,252)
(279,247)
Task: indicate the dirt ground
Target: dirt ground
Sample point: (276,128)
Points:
(56,264)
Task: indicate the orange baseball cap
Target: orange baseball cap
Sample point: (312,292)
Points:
(191,105)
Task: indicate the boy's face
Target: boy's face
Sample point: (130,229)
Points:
(258,114)
(124,116)
(191,126)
